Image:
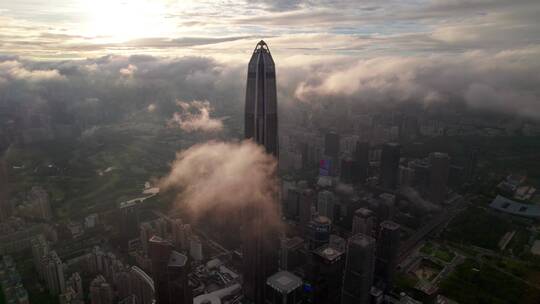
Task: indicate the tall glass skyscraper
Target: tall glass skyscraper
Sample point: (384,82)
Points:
(261,123)
(261,242)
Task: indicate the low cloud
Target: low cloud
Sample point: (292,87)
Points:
(14,70)
(226,177)
(128,71)
(494,81)
(195,116)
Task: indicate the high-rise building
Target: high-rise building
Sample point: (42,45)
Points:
(169,272)
(331,144)
(360,162)
(306,202)
(359,267)
(291,253)
(261,121)
(326,201)
(53,273)
(159,251)
(283,288)
(142,286)
(319,229)
(347,168)
(100,291)
(388,242)
(75,283)
(128,219)
(260,241)
(363,222)
(5,204)
(389,165)
(324,274)
(386,206)
(471,164)
(39,198)
(291,204)
(40,248)
(438,177)
(177,275)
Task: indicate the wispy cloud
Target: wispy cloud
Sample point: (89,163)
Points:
(195,116)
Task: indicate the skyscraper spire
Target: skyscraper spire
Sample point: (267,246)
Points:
(261,241)
(261,100)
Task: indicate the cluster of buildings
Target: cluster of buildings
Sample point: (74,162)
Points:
(36,205)
(11,282)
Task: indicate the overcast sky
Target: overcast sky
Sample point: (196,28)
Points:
(485,52)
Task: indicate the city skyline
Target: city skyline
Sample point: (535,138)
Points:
(269,152)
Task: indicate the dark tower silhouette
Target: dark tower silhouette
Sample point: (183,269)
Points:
(390,165)
(261,123)
(387,253)
(361,162)
(260,238)
(358,276)
(169,272)
(438,177)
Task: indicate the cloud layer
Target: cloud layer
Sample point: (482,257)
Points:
(226,177)
(195,116)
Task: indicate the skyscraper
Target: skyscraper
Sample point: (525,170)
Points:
(363,221)
(169,272)
(284,288)
(361,162)
(261,122)
(387,253)
(390,165)
(260,241)
(358,276)
(5,205)
(54,273)
(100,291)
(438,177)
(331,144)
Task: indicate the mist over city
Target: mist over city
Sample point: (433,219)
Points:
(261,152)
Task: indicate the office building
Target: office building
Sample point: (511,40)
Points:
(438,177)
(360,162)
(291,253)
(359,267)
(306,204)
(261,121)
(386,206)
(326,202)
(128,219)
(177,275)
(389,168)
(39,199)
(5,205)
(324,274)
(283,288)
(53,272)
(347,170)
(331,145)
(319,229)
(142,286)
(260,125)
(100,291)
(363,222)
(292,203)
(388,242)
(40,248)
(169,271)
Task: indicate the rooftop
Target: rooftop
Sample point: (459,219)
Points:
(284,282)
(504,204)
(177,259)
(328,253)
